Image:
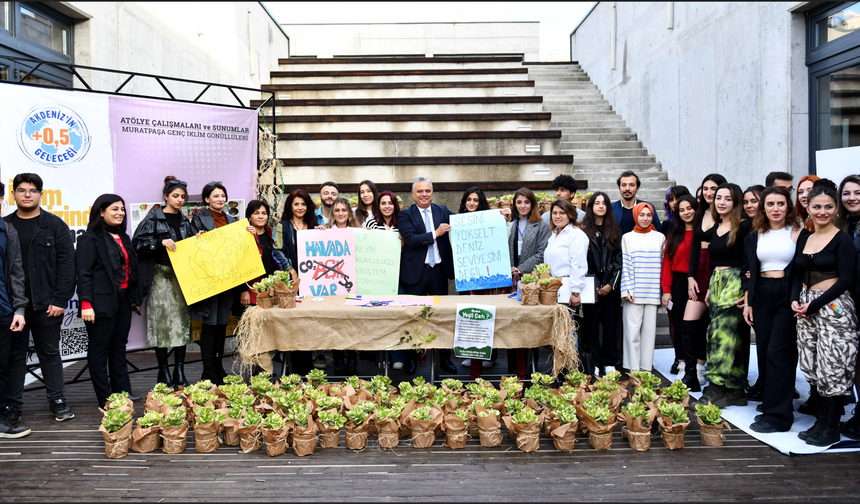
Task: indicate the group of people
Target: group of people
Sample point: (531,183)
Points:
(723,261)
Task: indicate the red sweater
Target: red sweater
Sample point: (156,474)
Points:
(680,262)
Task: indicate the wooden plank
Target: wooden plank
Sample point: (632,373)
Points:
(452,160)
(334,102)
(447,186)
(379,73)
(528,116)
(421,135)
(396,85)
(371,61)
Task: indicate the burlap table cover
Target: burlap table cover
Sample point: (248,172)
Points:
(330,325)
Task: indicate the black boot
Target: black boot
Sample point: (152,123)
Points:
(851,428)
(688,333)
(814,403)
(808,408)
(829,431)
(220,341)
(163,369)
(179,366)
(351,362)
(207,353)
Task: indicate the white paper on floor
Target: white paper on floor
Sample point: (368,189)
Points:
(742,416)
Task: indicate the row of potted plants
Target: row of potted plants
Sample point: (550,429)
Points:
(280,288)
(295,413)
(539,287)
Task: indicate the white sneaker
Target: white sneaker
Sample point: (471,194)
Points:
(397,365)
(466,363)
(609,369)
(700,374)
(596,371)
(682,367)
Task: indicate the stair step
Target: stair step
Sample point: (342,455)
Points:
(610,185)
(400,93)
(612,175)
(597,129)
(587,167)
(408,147)
(606,153)
(412,126)
(392,79)
(376,72)
(400,60)
(614,145)
(609,160)
(453,108)
(597,137)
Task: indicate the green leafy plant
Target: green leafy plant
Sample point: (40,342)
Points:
(356,416)
(261,383)
(115,419)
(327,403)
(272,421)
(235,413)
(644,394)
(677,391)
(524,416)
(353,381)
(484,383)
(234,389)
(710,414)
(537,393)
(513,406)
(612,376)
(512,387)
(648,379)
(161,388)
(149,419)
(116,396)
(486,413)
(542,380)
(335,389)
(243,401)
(607,386)
(528,279)
(676,412)
(171,400)
(452,384)
(416,338)
(366,406)
(575,378)
(234,380)
(601,396)
(556,401)
(422,413)
(540,269)
(290,382)
(483,402)
(507,197)
(462,415)
(116,404)
(314,394)
(353,200)
(207,414)
(383,413)
(599,414)
(316,378)
(204,384)
(332,419)
(636,410)
(299,414)
(566,414)
(174,418)
(379,384)
(253,418)
(200,397)
(474,389)
(492,199)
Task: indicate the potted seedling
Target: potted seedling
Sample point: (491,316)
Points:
(286,287)
(530,290)
(673,422)
(153,398)
(600,422)
(637,425)
(235,418)
(328,402)
(120,401)
(316,378)
(489,424)
(305,433)
(329,424)
(174,431)
(493,202)
(525,426)
(577,379)
(145,438)
(290,382)
(455,429)
(711,424)
(356,428)
(677,392)
(388,426)
(234,380)
(452,386)
(506,201)
(274,429)
(116,431)
(207,426)
(513,386)
(424,421)
(171,403)
(564,427)
(265,294)
(644,379)
(250,435)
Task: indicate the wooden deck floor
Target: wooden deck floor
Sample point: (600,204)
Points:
(66,462)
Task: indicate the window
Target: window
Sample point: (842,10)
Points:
(838,110)
(838,24)
(43,31)
(34,30)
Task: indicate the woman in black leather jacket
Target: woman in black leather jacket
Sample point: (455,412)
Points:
(604,263)
(215,309)
(168,321)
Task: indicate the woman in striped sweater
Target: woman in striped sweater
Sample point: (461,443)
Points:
(640,288)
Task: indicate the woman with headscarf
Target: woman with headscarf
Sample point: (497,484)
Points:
(109,289)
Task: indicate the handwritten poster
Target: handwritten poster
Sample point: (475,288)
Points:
(216,261)
(377,262)
(473,331)
(479,241)
(326,262)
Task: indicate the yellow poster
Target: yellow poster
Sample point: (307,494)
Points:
(216,261)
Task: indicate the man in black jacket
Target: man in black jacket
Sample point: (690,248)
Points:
(48,257)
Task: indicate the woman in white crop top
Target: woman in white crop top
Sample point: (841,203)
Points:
(768,254)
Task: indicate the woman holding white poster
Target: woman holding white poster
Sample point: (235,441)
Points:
(168,321)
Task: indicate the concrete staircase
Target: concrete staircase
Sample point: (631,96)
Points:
(598,138)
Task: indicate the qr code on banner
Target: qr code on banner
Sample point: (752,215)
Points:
(73,341)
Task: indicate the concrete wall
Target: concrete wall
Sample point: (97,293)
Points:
(725,90)
(414,38)
(214,42)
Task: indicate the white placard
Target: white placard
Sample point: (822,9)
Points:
(473,331)
(836,164)
(588,295)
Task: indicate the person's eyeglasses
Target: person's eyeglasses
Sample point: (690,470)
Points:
(178,182)
(23,191)
(215,183)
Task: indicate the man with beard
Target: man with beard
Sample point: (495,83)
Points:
(328,193)
(628,184)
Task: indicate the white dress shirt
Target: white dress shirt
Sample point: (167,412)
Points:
(435,248)
(567,254)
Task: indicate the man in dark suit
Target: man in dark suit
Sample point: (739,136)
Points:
(426,261)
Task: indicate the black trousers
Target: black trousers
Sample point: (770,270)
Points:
(606,312)
(6,336)
(108,337)
(776,349)
(46,338)
(680,296)
(433,282)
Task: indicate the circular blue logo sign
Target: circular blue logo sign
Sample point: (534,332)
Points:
(54,135)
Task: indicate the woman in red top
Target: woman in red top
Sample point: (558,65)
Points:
(109,289)
(673,274)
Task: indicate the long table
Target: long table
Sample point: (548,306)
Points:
(330,325)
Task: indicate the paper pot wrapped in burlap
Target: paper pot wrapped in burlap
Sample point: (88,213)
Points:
(599,435)
(388,430)
(531,294)
(116,443)
(250,438)
(405,427)
(489,428)
(266,299)
(151,403)
(712,435)
(145,440)
(329,435)
(548,294)
(356,435)
(231,437)
(175,438)
(424,431)
(637,430)
(526,435)
(564,436)
(276,440)
(673,433)
(455,432)
(305,439)
(472,426)
(206,437)
(287,296)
